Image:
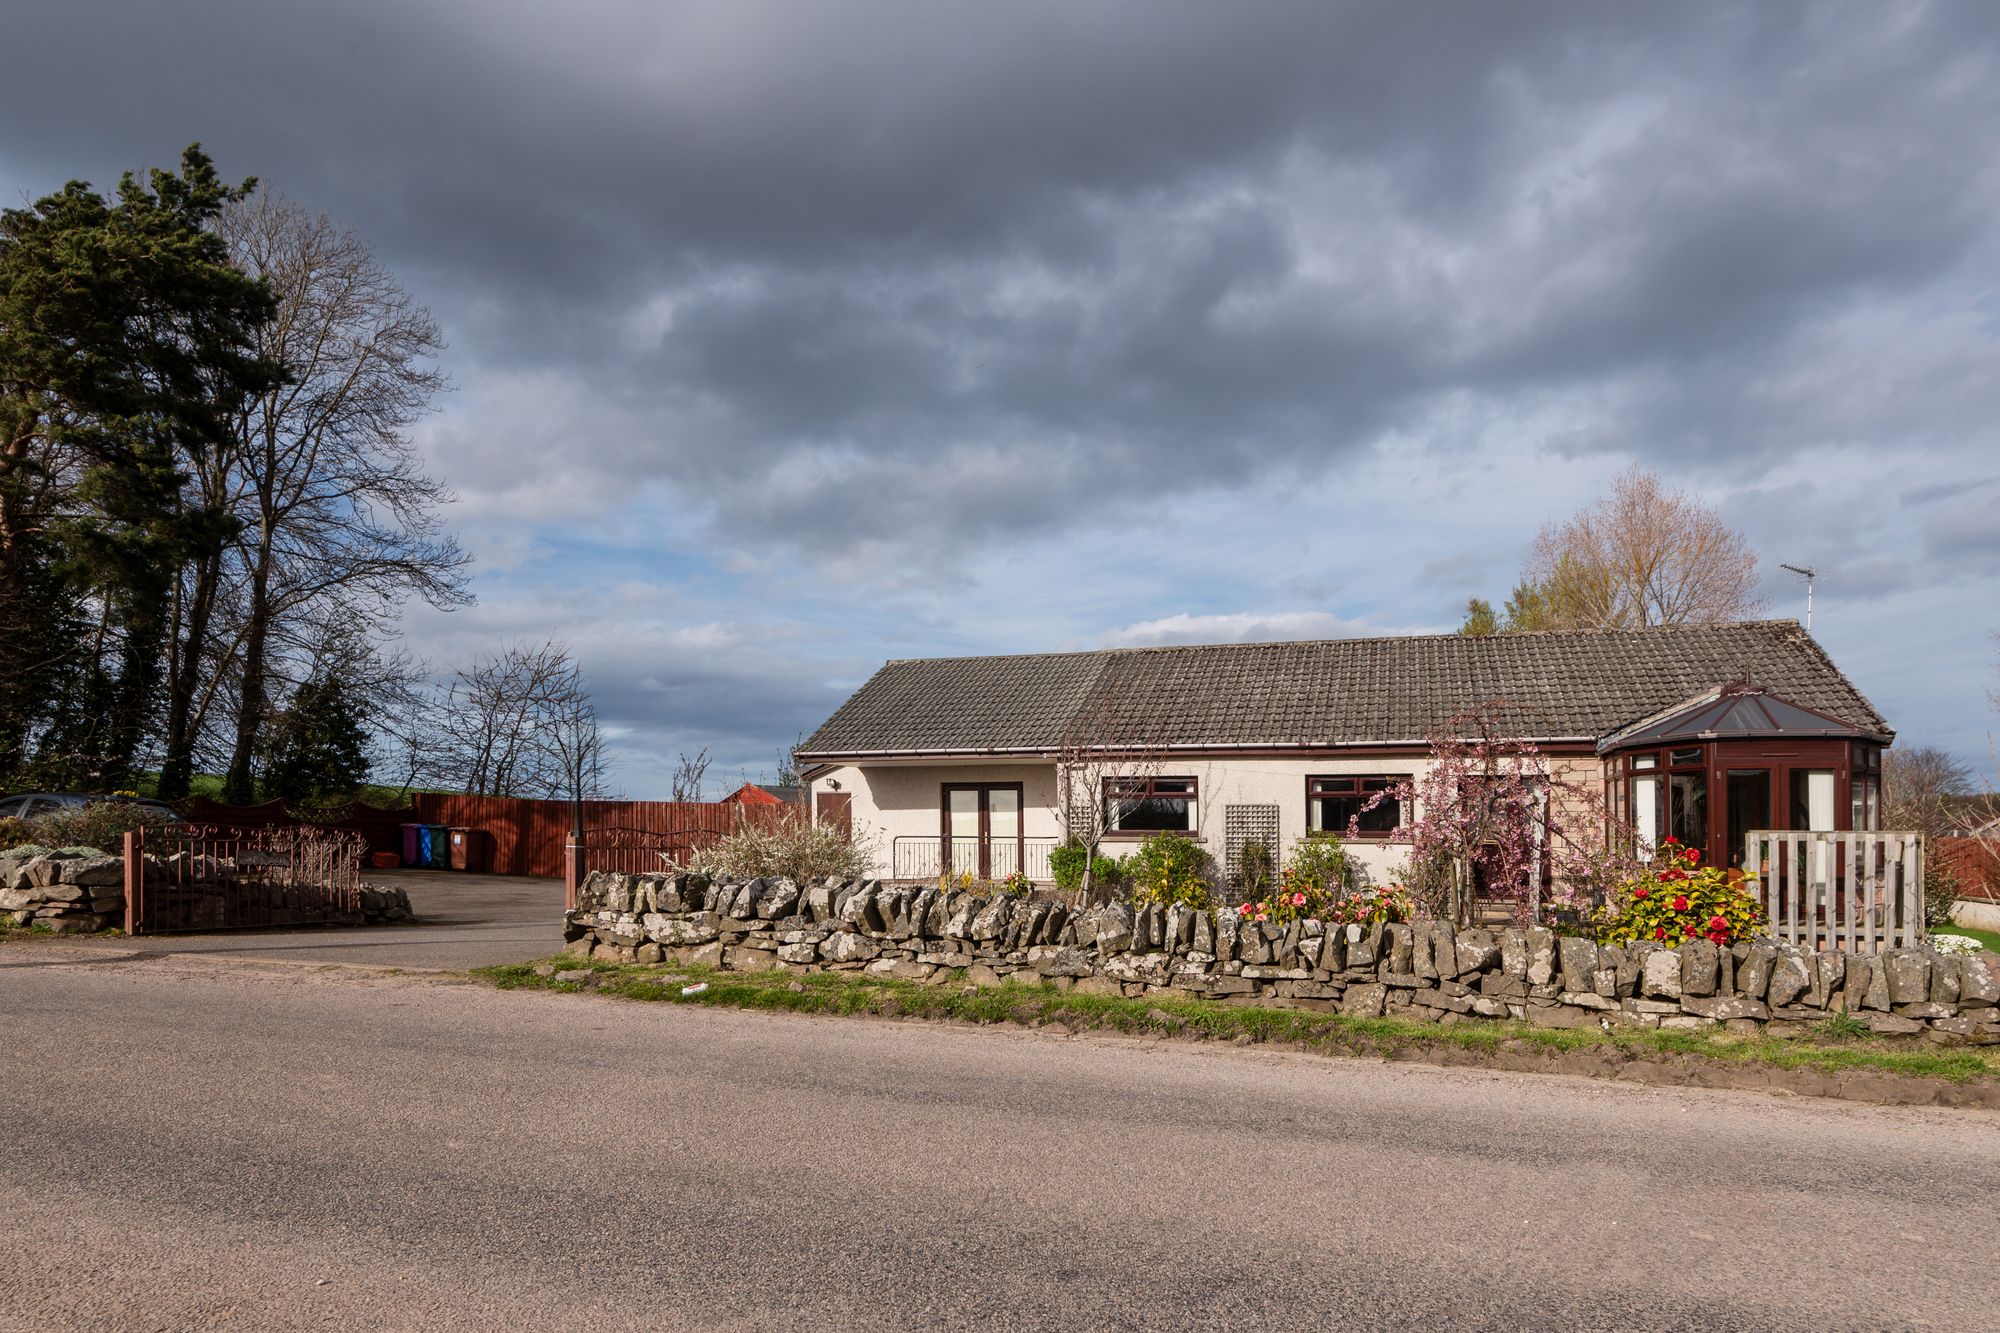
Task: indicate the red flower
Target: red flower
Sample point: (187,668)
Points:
(1693,856)
(1681,903)
(1687,931)
(1718,923)
(1670,841)
(1640,895)
(1659,932)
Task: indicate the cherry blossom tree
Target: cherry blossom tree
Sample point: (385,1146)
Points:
(1492,815)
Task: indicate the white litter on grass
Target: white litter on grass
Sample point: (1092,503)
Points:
(695,989)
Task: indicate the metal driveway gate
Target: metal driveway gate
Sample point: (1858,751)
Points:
(185,877)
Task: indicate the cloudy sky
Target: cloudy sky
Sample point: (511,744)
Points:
(790,337)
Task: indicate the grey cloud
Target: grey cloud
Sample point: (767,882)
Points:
(896,285)
(1152,251)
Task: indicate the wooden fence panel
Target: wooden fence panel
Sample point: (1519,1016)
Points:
(528,835)
(1860,892)
(1976,863)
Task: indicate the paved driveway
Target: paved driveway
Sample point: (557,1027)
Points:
(462,921)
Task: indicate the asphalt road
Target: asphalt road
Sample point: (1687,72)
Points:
(193,1143)
(463,921)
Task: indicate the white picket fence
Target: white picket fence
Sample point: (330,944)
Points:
(1857,892)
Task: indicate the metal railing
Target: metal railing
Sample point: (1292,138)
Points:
(190,877)
(928,858)
(1858,892)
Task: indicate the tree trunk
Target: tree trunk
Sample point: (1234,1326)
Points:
(138,680)
(177,767)
(240,787)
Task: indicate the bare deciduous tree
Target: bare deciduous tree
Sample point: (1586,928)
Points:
(1106,742)
(334,508)
(520,723)
(689,773)
(1918,787)
(1642,555)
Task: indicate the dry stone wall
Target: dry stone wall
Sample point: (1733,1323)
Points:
(65,892)
(1424,970)
(72,893)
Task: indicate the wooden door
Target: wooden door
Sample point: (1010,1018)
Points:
(835,808)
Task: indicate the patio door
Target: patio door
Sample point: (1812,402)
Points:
(1747,801)
(1771,790)
(981,829)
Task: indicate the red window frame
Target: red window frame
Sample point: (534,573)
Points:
(1343,786)
(1147,789)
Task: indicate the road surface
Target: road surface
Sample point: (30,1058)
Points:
(463,921)
(192,1143)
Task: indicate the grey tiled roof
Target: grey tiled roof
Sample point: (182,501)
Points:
(1567,685)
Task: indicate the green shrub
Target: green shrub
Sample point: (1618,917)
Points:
(1172,869)
(1066,864)
(100,826)
(1319,863)
(1941,890)
(15,832)
(1254,869)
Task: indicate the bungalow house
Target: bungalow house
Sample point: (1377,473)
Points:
(1702,731)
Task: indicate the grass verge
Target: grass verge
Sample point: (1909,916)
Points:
(1840,1046)
(1988,939)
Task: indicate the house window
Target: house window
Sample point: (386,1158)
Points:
(1149,805)
(1333,803)
(1645,803)
(1865,805)
(1687,809)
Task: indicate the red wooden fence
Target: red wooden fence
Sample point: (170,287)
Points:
(528,835)
(1976,862)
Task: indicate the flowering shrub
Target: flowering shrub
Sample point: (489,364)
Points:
(795,851)
(1316,876)
(1016,885)
(1296,898)
(1374,905)
(1170,869)
(1677,898)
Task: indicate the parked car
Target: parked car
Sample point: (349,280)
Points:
(35,804)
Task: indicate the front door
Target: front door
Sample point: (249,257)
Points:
(982,829)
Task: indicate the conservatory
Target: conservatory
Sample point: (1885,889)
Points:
(1708,771)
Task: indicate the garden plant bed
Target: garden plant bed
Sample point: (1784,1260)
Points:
(1836,1061)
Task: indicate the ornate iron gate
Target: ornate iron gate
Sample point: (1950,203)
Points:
(196,877)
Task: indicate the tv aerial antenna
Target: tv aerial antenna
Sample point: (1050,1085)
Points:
(1808,573)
